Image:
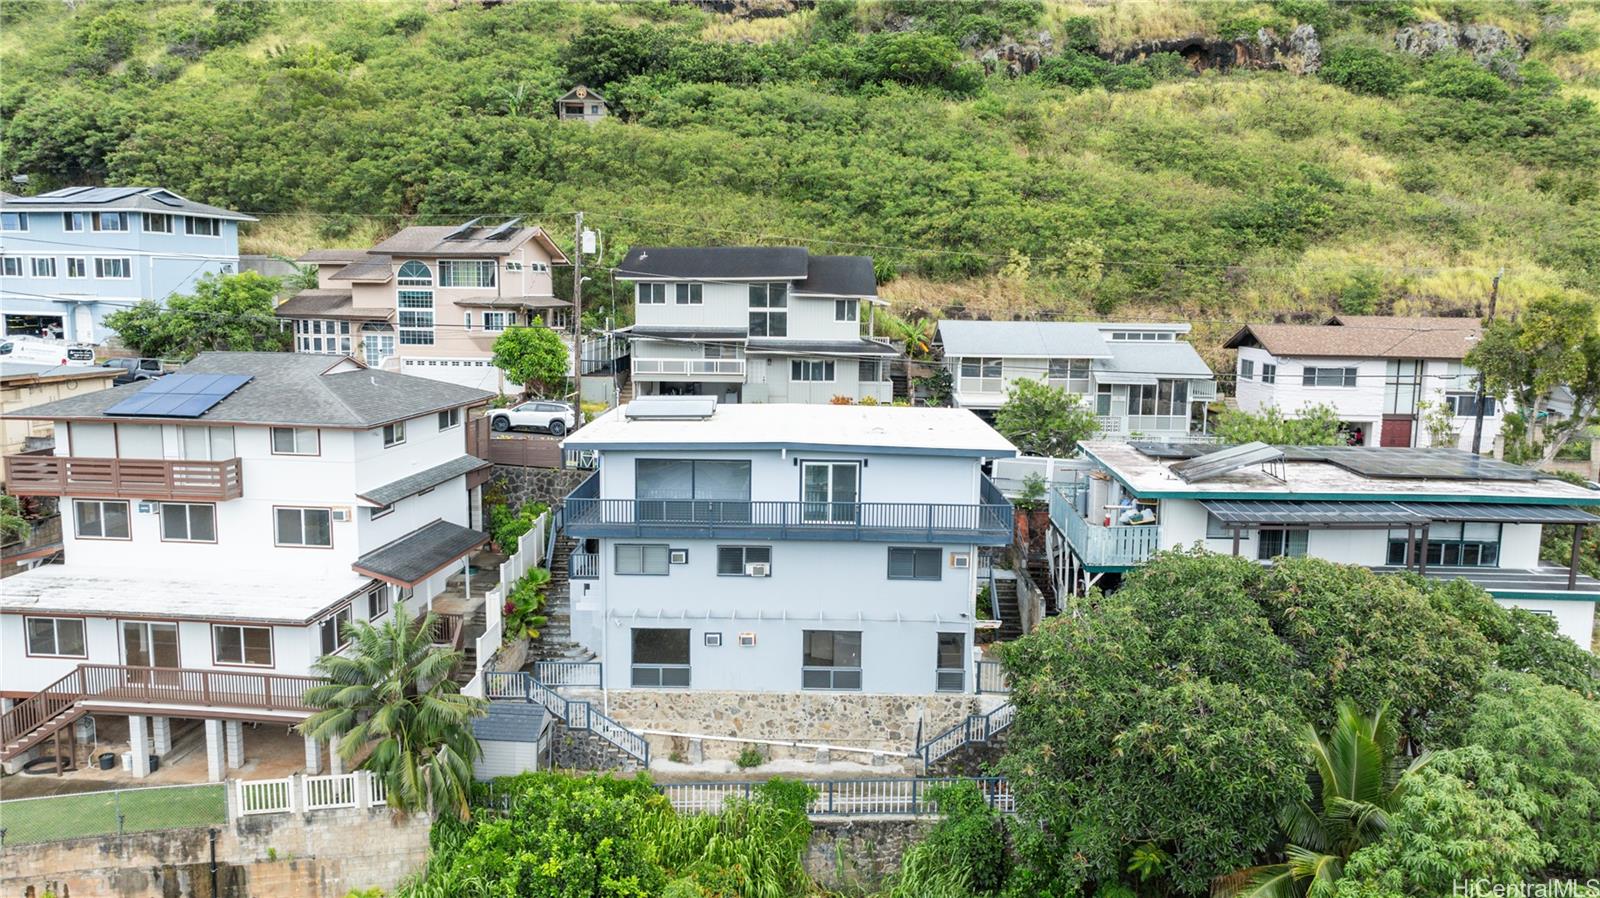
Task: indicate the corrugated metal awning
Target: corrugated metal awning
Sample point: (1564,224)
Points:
(1377,514)
(1503,514)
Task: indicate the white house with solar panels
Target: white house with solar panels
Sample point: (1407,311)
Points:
(783,548)
(1140,379)
(1441,513)
(220,527)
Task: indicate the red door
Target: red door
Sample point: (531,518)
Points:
(1396,432)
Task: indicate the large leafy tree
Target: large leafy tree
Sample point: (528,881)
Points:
(532,356)
(228,312)
(390,694)
(1553,343)
(1314,425)
(1044,420)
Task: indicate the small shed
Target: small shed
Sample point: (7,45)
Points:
(582,104)
(514,736)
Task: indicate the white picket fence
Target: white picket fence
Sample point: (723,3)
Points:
(892,797)
(529,555)
(309,793)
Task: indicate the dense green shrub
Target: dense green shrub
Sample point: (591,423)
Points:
(1457,77)
(1365,70)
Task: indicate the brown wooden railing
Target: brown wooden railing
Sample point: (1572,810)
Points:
(447,630)
(124,478)
(153,685)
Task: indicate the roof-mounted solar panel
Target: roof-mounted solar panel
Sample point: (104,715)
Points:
(670,408)
(462,232)
(1225,461)
(179,396)
(504,231)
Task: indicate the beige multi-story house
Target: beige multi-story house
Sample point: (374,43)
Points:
(22,385)
(430,301)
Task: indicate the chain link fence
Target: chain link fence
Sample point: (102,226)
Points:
(26,821)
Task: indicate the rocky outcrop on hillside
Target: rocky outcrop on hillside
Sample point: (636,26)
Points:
(1484,42)
(751,9)
(1300,52)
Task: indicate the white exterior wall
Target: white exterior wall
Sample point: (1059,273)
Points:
(722,305)
(506,759)
(768,380)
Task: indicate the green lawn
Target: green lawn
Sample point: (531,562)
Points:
(95,813)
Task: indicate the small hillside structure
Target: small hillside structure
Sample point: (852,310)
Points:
(582,104)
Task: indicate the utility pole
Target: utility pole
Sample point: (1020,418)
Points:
(1477,421)
(577,316)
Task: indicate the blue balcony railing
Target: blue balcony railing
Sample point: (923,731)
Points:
(1107,548)
(988,522)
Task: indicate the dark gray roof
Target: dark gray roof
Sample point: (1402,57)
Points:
(327,304)
(289,388)
(510,721)
(779,263)
(682,333)
(819,347)
(1544,581)
(332,255)
(429,241)
(371,267)
(590,93)
(530,301)
(411,484)
(839,276)
(420,554)
(142,199)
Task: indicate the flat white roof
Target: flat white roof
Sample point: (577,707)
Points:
(1321,481)
(882,429)
(111,592)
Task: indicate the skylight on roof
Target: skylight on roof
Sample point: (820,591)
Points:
(670,408)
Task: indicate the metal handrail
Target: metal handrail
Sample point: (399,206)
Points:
(975,728)
(577,714)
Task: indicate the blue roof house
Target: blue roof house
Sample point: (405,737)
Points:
(72,256)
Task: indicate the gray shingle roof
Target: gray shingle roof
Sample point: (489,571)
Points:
(715,263)
(665,332)
(420,554)
(142,199)
(411,484)
(510,721)
(429,241)
(1159,358)
(819,347)
(290,389)
(332,255)
(839,276)
(1023,339)
(327,304)
(18,371)
(371,267)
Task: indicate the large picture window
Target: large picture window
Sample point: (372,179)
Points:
(769,310)
(672,489)
(660,658)
(831,660)
(188,523)
(309,527)
(466,273)
(231,644)
(59,636)
(906,563)
(99,519)
(1328,377)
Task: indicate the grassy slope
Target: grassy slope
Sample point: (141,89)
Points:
(1024,197)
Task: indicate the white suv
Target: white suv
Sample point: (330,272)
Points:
(556,417)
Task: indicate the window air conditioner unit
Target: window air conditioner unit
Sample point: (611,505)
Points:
(149,507)
(960,560)
(746,640)
(758,569)
(341,515)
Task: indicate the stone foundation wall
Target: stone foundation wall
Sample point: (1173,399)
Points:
(320,855)
(522,485)
(855,856)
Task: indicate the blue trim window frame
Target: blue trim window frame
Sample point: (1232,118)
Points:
(1471,544)
(831,660)
(915,563)
(660,658)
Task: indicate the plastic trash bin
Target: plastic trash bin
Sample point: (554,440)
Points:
(107,760)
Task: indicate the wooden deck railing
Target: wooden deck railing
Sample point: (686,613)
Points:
(124,478)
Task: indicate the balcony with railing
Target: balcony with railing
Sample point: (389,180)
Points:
(988,522)
(688,369)
(124,478)
(1100,547)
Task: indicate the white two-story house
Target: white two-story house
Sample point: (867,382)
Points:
(1140,379)
(220,527)
(430,301)
(1439,512)
(765,548)
(755,324)
(1386,377)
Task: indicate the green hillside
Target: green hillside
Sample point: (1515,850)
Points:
(1386,182)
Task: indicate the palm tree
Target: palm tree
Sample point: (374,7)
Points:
(1358,782)
(391,691)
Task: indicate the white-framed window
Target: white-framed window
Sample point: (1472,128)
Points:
(101,519)
(394,434)
(808,371)
(914,563)
(308,527)
(72,221)
(450,417)
(1465,405)
(1142,336)
(1328,377)
(296,441)
(1269,374)
(982,375)
(769,310)
(1068,369)
(13,221)
(846,310)
(77,267)
(157,223)
(1247,369)
(381,511)
(119,269)
(512,265)
(414,274)
(334,630)
(638,559)
(61,637)
(831,659)
(234,644)
(539,267)
(44,266)
(495,321)
(732,561)
(181,523)
(466,273)
(689,294)
(377,601)
(110,221)
(376,348)
(652,294)
(200,226)
(11,266)
(416,317)
(1288,543)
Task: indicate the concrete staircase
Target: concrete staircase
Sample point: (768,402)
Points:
(472,628)
(625,394)
(1005,591)
(555,641)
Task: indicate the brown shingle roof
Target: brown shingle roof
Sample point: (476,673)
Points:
(428,241)
(371,267)
(1414,338)
(327,304)
(332,255)
(1412,323)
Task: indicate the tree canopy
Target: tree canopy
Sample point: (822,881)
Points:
(1552,344)
(1313,425)
(227,312)
(534,357)
(1044,420)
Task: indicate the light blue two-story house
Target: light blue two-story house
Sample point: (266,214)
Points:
(72,256)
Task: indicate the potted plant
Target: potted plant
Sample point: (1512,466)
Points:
(1032,513)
